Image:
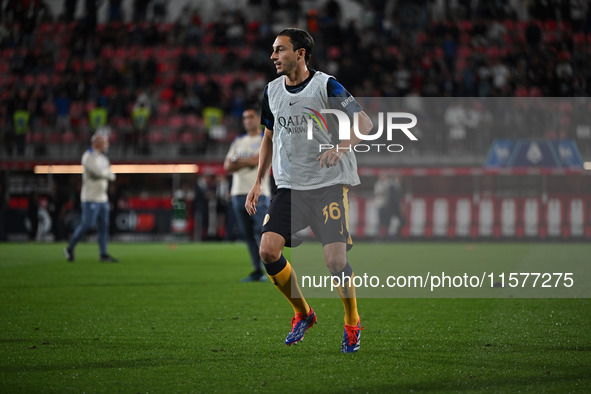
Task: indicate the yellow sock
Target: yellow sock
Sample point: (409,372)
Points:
(349,299)
(286,282)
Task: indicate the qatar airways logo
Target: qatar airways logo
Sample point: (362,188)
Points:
(345,130)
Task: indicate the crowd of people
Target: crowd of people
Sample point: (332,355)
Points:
(195,74)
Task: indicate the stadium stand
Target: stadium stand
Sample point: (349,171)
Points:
(486,50)
(59,66)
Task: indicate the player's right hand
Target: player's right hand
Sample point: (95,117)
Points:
(252,199)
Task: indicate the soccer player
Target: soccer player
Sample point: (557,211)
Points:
(242,161)
(312,184)
(95,205)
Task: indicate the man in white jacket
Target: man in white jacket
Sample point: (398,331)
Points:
(95,201)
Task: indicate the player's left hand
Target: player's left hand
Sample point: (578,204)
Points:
(330,158)
(252,199)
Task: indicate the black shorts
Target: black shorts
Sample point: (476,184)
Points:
(325,210)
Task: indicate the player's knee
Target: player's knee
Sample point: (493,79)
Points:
(269,255)
(335,264)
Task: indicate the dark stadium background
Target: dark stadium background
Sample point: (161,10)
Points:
(197,64)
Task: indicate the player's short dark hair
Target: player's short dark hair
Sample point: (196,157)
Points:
(252,107)
(299,39)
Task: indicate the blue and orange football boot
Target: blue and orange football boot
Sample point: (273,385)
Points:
(299,326)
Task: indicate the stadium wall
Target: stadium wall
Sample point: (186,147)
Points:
(438,203)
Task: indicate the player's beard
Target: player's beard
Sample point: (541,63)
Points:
(286,68)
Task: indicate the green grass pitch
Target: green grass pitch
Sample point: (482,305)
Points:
(176,319)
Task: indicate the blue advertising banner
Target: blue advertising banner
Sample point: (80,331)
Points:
(534,153)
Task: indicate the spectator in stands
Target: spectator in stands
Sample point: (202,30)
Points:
(115,11)
(70,10)
(22,125)
(533,35)
(140,10)
(37,99)
(190,104)
(140,116)
(62,108)
(194,32)
(97,116)
(159,11)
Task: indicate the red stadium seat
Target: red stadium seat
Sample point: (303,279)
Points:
(45,29)
(192,51)
(550,26)
(38,137)
(29,80)
(107,52)
(55,80)
(579,39)
(549,38)
(244,52)
(193,121)
(7,53)
(54,137)
(166,66)
(4,67)
(465,38)
(48,108)
(201,79)
(114,136)
(164,108)
(147,52)
(60,66)
(89,65)
(68,137)
(166,82)
(159,121)
(162,53)
(171,137)
(156,135)
(438,53)
(83,134)
(176,121)
(42,79)
(465,25)
(464,51)
(64,53)
(189,79)
(535,91)
(77,108)
(121,53)
(187,137)
(521,91)
(121,122)
(493,52)
(164,28)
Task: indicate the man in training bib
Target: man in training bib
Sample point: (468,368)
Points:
(312,183)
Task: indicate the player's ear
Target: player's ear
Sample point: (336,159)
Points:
(301,53)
